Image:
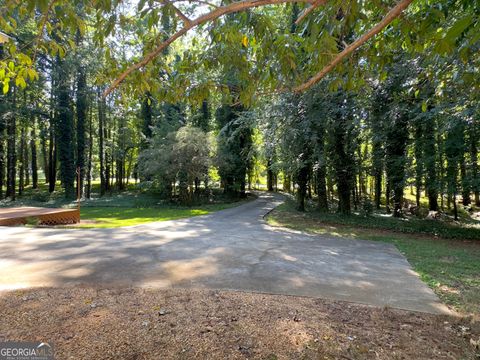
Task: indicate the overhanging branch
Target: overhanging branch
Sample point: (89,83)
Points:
(391,15)
(246,4)
(308,10)
(212,15)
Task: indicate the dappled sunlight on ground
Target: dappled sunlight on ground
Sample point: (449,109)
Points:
(231,249)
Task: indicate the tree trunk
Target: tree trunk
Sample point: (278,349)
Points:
(419,158)
(33,148)
(269,175)
(44,151)
(287,183)
(302,179)
(21,167)
(65,132)
(322,204)
(455,209)
(465,182)
(475,172)
(52,157)
(430,156)
(90,154)
(26,158)
(2,151)
(81,105)
(101,151)
(387,198)
(378,188)
(11,149)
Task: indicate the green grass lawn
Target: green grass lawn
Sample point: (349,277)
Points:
(111,217)
(451,267)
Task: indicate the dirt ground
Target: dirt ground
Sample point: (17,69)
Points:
(87,323)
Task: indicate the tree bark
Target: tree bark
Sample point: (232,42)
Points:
(21,167)
(101,151)
(302,180)
(90,155)
(81,105)
(33,148)
(11,148)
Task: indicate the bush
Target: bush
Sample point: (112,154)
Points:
(41,196)
(367,207)
(421,212)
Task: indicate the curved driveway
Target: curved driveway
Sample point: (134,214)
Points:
(230,249)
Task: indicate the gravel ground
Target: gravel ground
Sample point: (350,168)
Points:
(130,323)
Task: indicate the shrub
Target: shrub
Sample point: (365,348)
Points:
(41,196)
(367,207)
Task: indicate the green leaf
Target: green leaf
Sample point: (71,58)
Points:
(457,29)
(20,81)
(32,74)
(6,86)
(424,106)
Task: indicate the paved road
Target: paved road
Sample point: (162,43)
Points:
(230,249)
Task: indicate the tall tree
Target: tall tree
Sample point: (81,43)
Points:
(11,147)
(81,106)
(65,130)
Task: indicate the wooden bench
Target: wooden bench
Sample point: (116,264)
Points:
(45,216)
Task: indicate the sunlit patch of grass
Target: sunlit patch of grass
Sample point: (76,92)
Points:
(112,217)
(108,217)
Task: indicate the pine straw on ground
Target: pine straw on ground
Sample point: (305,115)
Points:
(129,323)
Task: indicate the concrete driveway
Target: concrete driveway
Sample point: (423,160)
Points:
(231,249)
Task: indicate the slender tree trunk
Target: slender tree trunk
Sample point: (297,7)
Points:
(101,151)
(52,157)
(26,158)
(21,167)
(430,160)
(322,204)
(355,194)
(441,181)
(343,166)
(287,183)
(90,155)
(81,105)
(3,100)
(107,156)
(52,146)
(455,209)
(474,158)
(11,149)
(378,188)
(44,151)
(419,162)
(269,175)
(377,165)
(33,148)
(2,151)
(302,179)
(465,182)
(387,198)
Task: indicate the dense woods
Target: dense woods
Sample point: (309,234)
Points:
(221,106)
